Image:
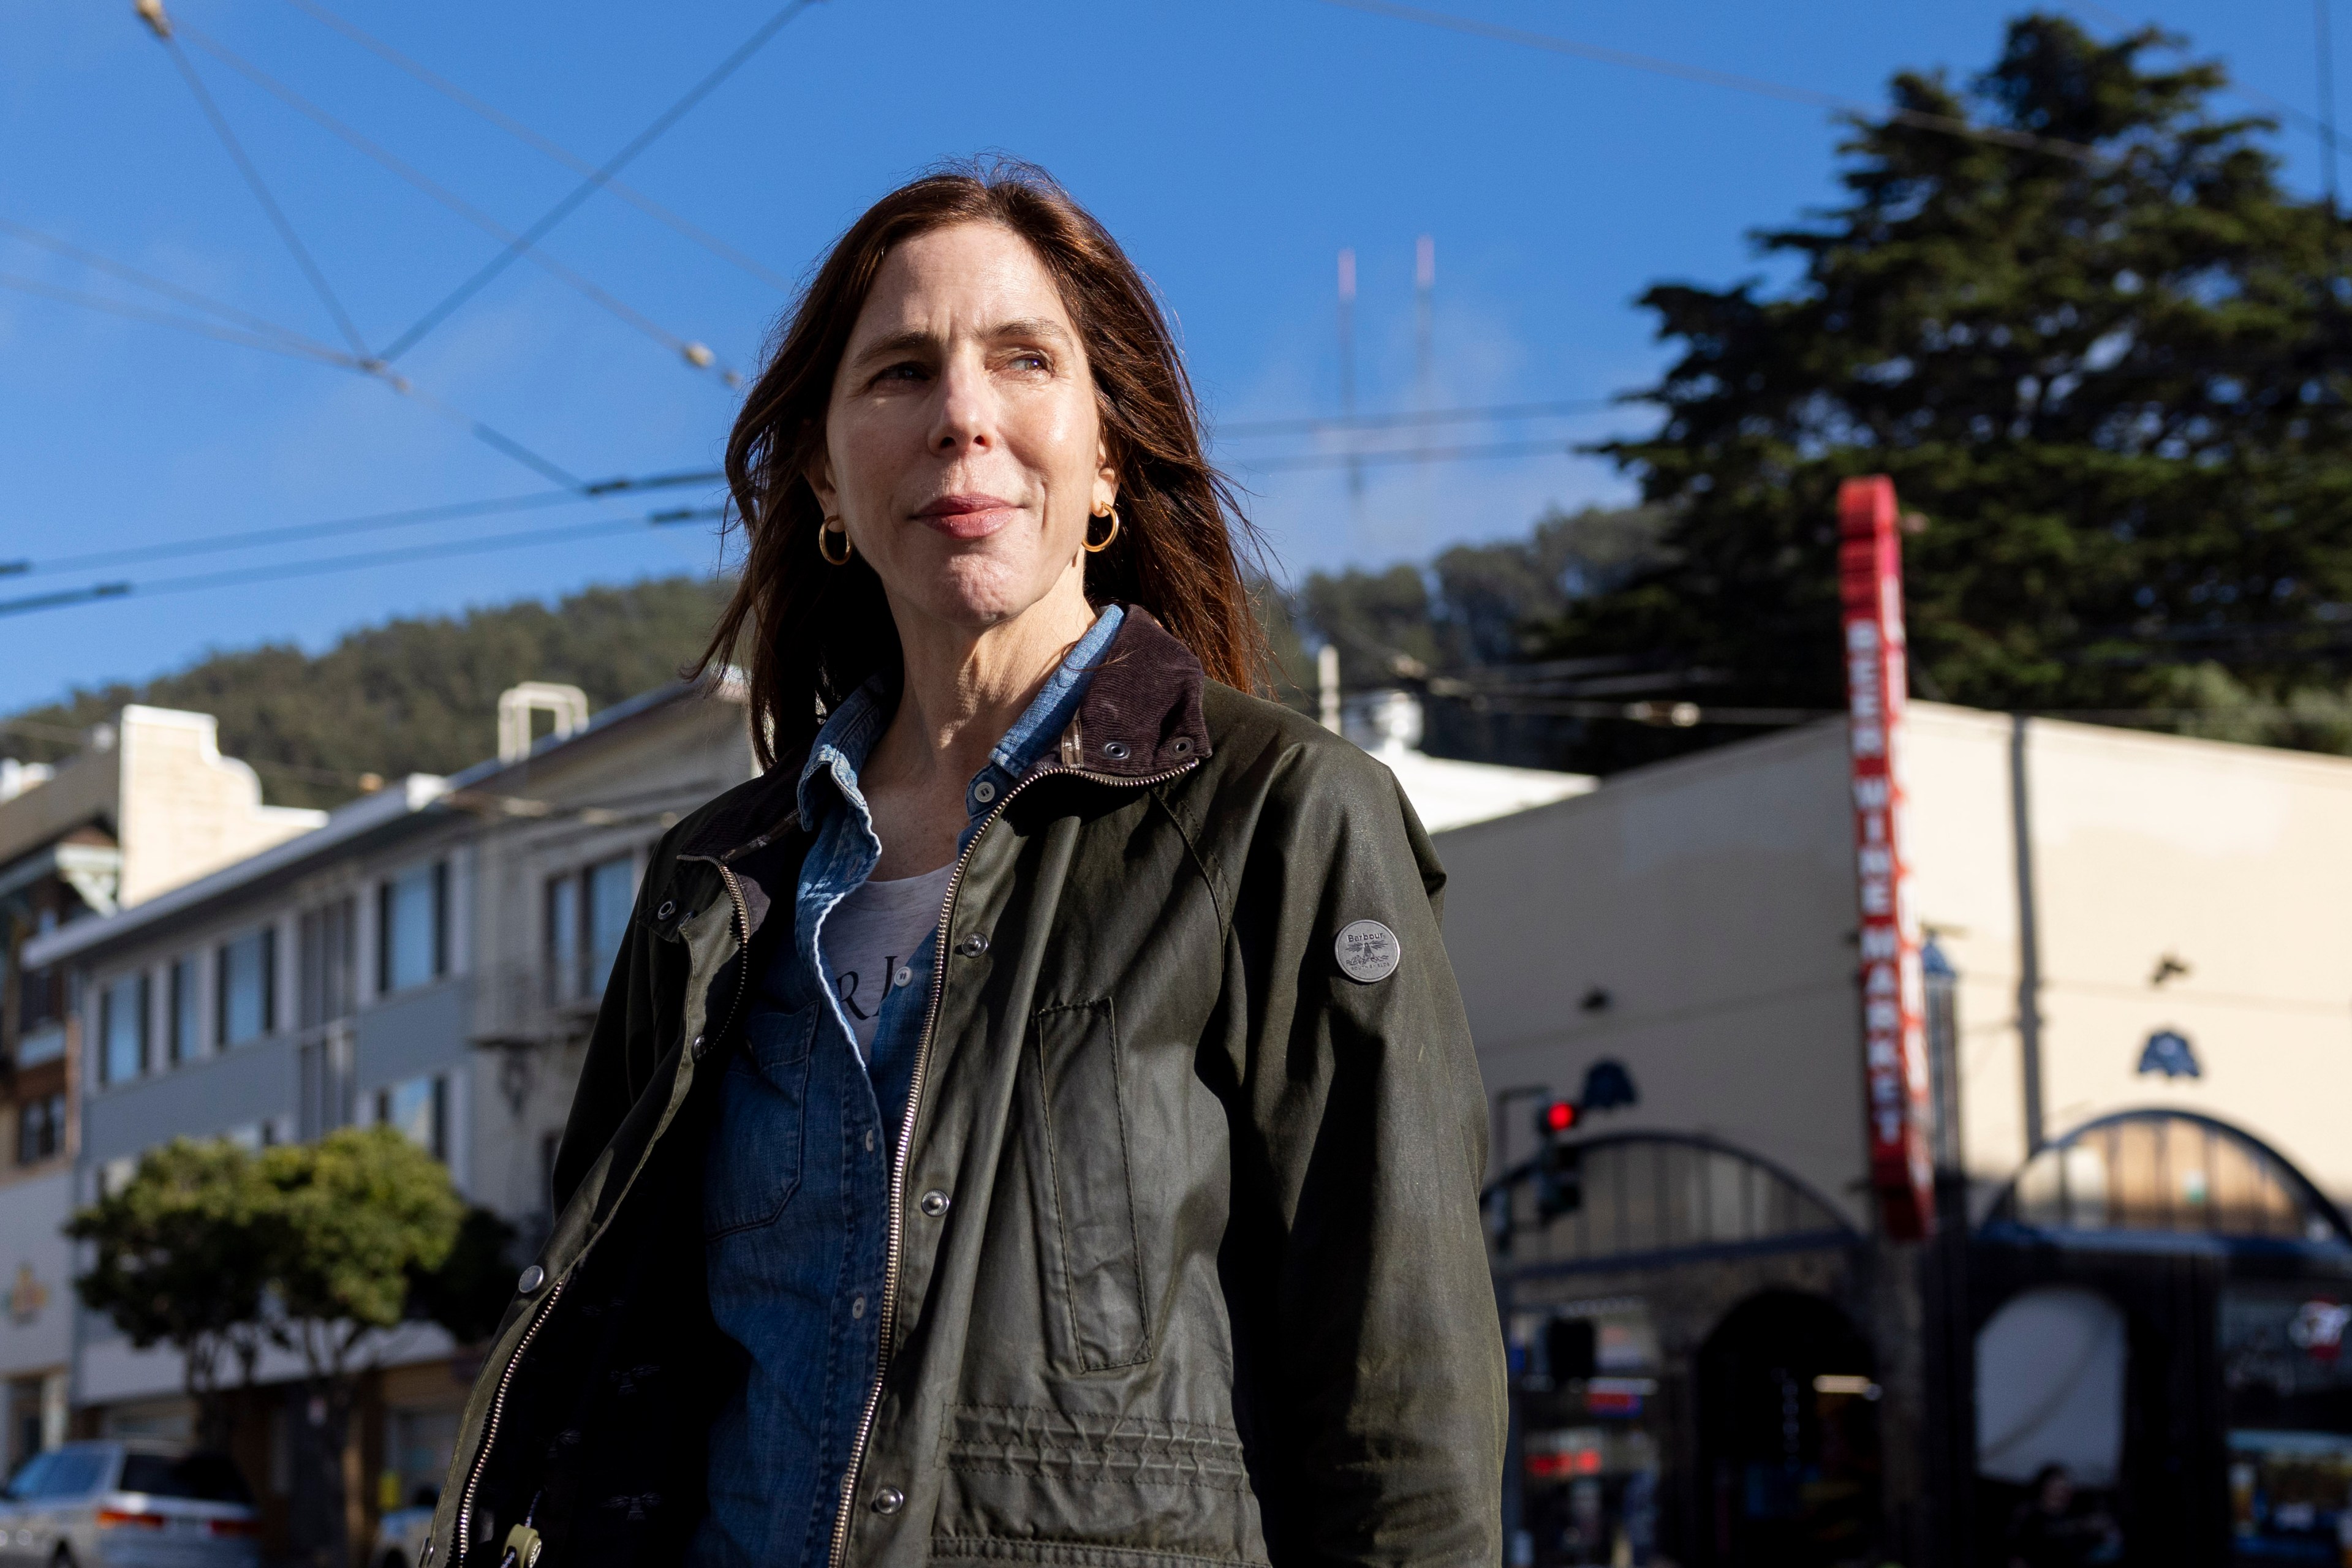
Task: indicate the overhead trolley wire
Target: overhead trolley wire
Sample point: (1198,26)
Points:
(1950,125)
(195,582)
(595,181)
(160,25)
(1501,411)
(254,539)
(168,289)
(550,148)
(317,353)
(693,353)
(1408,455)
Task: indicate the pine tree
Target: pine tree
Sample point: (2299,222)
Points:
(2110,376)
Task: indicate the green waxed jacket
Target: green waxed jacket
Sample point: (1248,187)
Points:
(1185,1263)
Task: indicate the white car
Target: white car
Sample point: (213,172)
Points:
(128,1504)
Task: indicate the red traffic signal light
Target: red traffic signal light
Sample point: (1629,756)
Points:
(1556,1117)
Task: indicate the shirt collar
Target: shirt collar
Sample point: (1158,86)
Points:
(849,732)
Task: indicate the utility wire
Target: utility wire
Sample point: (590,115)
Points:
(694,353)
(201,581)
(294,349)
(595,181)
(1408,455)
(253,538)
(162,30)
(1501,411)
(1950,125)
(168,289)
(550,148)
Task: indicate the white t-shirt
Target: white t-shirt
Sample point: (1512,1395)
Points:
(869,936)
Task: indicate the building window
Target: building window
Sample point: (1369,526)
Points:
(188,1025)
(248,988)
(122,1030)
(612,889)
(327,957)
(411,946)
(419,1109)
(562,937)
(40,1129)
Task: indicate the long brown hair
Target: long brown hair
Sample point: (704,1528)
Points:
(809,633)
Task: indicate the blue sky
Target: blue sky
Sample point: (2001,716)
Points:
(1235,148)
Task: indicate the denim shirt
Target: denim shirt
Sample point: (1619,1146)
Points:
(796,1181)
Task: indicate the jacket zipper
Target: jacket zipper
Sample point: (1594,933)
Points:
(897,1212)
(458,1548)
(743,953)
(506,1378)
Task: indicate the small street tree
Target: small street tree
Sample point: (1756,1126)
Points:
(183,1258)
(313,1248)
(354,1216)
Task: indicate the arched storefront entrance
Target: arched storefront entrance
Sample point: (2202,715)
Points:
(2177,1293)
(1788,1435)
(1681,1248)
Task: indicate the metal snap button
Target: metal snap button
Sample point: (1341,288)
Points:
(857,1306)
(935,1203)
(668,907)
(983,791)
(889,1500)
(531,1280)
(1115,750)
(973,946)
(869,1140)
(1180,745)
(905,976)
(697,1048)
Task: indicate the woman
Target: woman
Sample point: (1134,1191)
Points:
(1034,1120)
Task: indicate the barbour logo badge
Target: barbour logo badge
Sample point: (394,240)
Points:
(1368,951)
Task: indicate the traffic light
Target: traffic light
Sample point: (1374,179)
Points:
(1558,1174)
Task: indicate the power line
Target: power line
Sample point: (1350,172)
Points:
(201,581)
(593,182)
(694,353)
(252,538)
(554,150)
(170,290)
(1501,411)
(1410,454)
(296,349)
(245,165)
(1950,125)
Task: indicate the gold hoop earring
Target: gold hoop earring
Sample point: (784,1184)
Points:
(823,530)
(1094,548)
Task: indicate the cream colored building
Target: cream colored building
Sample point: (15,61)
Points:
(148,803)
(2180,885)
(428,956)
(2141,1043)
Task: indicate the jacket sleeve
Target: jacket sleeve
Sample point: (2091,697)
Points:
(1372,1361)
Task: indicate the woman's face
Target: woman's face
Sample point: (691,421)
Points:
(963,450)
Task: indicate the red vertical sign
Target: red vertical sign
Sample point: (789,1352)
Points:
(1894,1017)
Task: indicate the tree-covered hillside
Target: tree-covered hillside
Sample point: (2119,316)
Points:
(408,696)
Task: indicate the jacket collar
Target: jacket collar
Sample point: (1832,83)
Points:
(1140,718)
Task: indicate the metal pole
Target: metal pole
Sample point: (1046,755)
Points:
(2029,936)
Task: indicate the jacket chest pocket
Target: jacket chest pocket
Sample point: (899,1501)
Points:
(1088,1230)
(753,1164)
